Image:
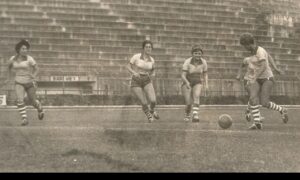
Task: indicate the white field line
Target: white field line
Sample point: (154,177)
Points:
(102,129)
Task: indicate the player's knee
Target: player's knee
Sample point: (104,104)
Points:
(145,107)
(253,101)
(20,102)
(265,103)
(153,101)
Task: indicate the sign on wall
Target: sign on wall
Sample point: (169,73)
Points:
(64,78)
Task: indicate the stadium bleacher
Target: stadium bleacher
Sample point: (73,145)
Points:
(85,42)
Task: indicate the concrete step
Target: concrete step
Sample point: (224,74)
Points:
(30,27)
(150,12)
(149,19)
(22,13)
(31,20)
(16,6)
(156,25)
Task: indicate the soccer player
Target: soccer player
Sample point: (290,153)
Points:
(141,66)
(238,77)
(25,69)
(194,76)
(260,80)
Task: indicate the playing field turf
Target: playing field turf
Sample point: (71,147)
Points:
(119,139)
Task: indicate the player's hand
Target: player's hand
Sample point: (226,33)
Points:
(238,78)
(280,72)
(136,75)
(33,77)
(188,85)
(206,90)
(152,76)
(34,84)
(251,81)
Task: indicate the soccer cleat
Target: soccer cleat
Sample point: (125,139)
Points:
(248,115)
(40,111)
(262,118)
(195,117)
(285,117)
(150,117)
(24,122)
(187,118)
(41,115)
(256,125)
(155,115)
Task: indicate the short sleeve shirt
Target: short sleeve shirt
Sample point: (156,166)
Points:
(261,55)
(252,63)
(23,69)
(141,64)
(190,67)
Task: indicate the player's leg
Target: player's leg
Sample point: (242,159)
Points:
(137,89)
(196,91)
(188,102)
(265,100)
(31,93)
(20,93)
(248,112)
(254,89)
(139,93)
(150,94)
(248,108)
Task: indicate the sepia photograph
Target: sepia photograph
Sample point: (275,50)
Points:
(149,86)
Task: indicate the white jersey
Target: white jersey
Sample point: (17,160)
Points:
(253,64)
(190,66)
(23,69)
(142,65)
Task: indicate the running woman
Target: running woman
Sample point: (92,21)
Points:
(260,81)
(141,67)
(194,70)
(25,69)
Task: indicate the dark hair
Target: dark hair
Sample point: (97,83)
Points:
(196,48)
(147,42)
(246,39)
(20,44)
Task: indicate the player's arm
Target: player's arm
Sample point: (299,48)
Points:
(129,67)
(272,62)
(262,57)
(240,71)
(205,76)
(9,69)
(152,72)
(35,69)
(184,74)
(185,81)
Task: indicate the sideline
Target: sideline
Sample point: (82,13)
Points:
(133,107)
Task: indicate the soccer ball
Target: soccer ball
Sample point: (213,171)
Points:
(225,121)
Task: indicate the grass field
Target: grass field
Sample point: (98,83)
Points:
(119,139)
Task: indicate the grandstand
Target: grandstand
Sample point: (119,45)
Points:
(82,46)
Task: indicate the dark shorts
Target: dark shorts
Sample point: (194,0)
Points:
(260,81)
(142,81)
(194,79)
(27,85)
